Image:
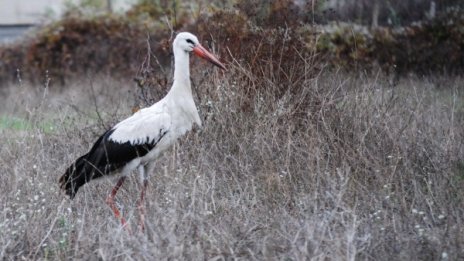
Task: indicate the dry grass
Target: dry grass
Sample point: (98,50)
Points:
(337,167)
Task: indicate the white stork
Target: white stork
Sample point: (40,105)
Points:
(137,141)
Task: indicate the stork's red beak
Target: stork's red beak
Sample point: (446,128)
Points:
(203,53)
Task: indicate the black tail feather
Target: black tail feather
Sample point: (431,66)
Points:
(105,157)
(74,177)
(84,169)
(79,173)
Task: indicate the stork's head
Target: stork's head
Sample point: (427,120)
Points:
(189,43)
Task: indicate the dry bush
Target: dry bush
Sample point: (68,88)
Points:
(78,46)
(294,160)
(272,13)
(341,167)
(274,35)
(422,48)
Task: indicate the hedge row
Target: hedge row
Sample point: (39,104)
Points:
(117,44)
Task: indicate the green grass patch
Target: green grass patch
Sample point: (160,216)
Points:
(21,124)
(14,123)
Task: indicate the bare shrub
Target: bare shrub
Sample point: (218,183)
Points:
(335,167)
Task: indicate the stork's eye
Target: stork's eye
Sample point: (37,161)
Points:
(190,41)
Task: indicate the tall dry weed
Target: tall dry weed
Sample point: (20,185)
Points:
(329,166)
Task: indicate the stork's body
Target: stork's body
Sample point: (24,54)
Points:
(137,141)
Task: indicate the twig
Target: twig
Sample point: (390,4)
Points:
(49,230)
(95,103)
(169,25)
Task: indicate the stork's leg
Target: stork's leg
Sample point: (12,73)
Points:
(111,203)
(141,203)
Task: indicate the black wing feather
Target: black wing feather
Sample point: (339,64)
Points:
(105,157)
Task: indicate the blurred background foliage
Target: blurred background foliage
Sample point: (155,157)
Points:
(398,37)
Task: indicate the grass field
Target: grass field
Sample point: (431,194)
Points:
(336,167)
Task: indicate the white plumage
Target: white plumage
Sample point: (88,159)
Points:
(141,127)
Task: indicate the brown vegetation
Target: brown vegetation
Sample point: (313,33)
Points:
(343,167)
(117,44)
(296,159)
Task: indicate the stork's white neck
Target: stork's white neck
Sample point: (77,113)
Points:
(181,91)
(181,85)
